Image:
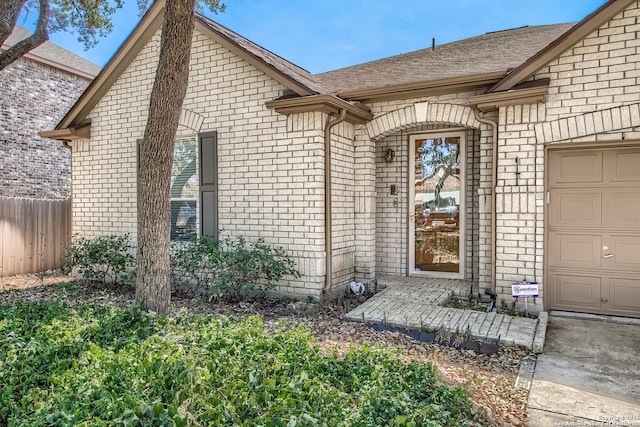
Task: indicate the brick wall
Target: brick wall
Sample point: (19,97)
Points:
(34,97)
(271,179)
(593,97)
(343,173)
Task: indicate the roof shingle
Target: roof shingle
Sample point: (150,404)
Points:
(494,51)
(52,53)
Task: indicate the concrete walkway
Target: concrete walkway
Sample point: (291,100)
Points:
(416,303)
(589,373)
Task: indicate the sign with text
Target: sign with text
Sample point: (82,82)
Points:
(524,289)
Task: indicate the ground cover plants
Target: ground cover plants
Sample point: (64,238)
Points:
(103,365)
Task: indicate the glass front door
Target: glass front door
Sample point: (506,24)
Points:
(438,190)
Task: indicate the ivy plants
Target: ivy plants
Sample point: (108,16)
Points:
(104,366)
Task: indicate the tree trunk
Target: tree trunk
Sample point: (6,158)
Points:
(7,23)
(9,12)
(156,156)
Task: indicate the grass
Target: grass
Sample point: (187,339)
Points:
(100,365)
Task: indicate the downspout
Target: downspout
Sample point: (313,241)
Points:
(327,196)
(494,184)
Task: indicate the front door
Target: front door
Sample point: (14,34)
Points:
(437,209)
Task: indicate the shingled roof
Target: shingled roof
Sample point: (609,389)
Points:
(482,60)
(496,51)
(54,55)
(269,58)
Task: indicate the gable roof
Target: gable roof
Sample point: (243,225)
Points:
(291,76)
(500,60)
(51,54)
(589,24)
(295,74)
(488,53)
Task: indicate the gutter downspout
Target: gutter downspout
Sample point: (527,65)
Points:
(494,183)
(327,196)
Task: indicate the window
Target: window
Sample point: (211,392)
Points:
(194,196)
(184,190)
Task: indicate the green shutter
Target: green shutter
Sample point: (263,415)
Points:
(209,184)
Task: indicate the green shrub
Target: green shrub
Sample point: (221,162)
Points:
(102,366)
(100,259)
(229,268)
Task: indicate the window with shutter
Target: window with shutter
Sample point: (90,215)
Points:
(186,184)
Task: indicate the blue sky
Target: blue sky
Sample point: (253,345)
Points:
(322,35)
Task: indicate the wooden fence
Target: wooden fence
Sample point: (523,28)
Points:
(33,234)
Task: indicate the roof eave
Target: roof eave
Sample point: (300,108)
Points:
(150,23)
(527,95)
(579,31)
(68,134)
(37,58)
(328,104)
(427,87)
(290,83)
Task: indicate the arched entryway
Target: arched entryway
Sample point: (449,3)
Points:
(431,216)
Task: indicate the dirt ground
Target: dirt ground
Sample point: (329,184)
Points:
(489,379)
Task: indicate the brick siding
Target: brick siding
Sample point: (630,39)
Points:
(33,98)
(593,96)
(271,178)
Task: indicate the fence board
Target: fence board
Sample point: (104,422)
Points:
(33,234)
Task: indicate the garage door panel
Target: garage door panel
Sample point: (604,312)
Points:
(621,208)
(625,295)
(571,209)
(575,250)
(622,166)
(594,230)
(571,167)
(625,251)
(577,292)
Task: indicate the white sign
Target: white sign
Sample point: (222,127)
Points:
(524,289)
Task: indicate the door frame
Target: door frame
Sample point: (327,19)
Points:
(548,290)
(411,225)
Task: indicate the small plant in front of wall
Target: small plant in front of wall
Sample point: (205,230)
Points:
(101,259)
(510,310)
(444,335)
(461,338)
(230,268)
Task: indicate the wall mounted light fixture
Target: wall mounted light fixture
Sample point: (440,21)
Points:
(389,155)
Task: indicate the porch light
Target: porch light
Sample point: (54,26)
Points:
(389,155)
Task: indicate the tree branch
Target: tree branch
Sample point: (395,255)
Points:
(40,36)
(9,12)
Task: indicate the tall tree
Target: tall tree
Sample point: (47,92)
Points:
(91,18)
(153,288)
(156,156)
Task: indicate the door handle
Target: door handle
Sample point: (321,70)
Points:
(607,256)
